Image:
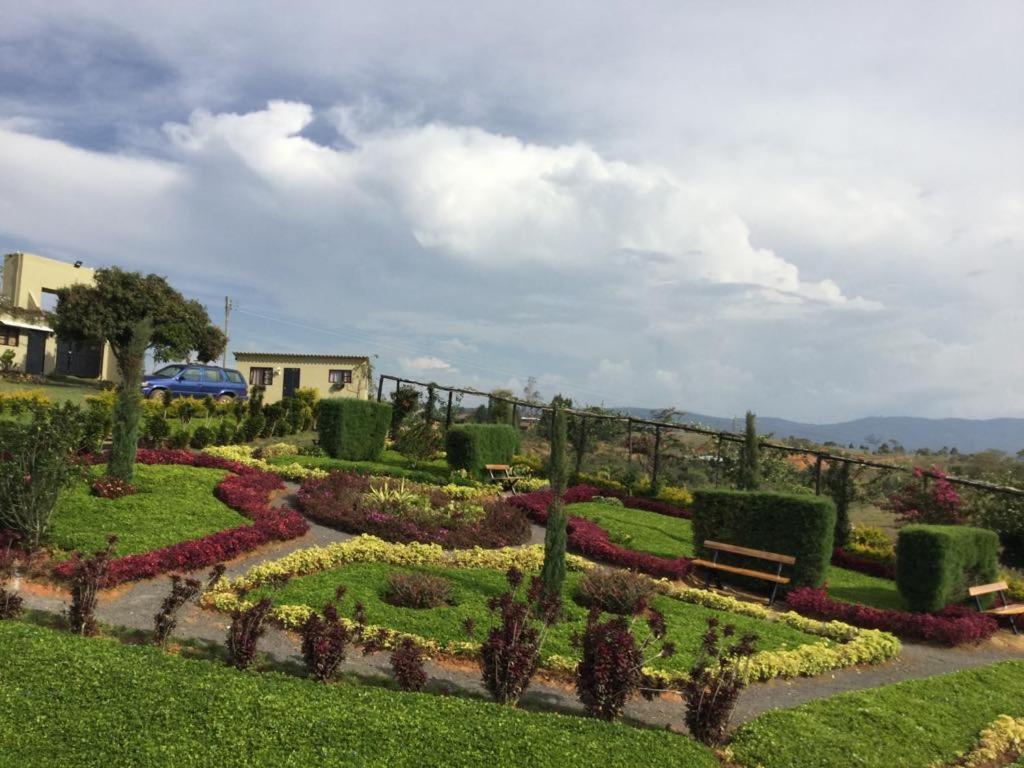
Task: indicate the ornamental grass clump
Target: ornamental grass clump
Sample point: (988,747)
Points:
(182,591)
(509,655)
(325,640)
(715,681)
(614,591)
(87,576)
(610,671)
(247,626)
(415,589)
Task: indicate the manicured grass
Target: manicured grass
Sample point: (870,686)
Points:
(909,724)
(473,587)
(391,464)
(673,536)
(639,529)
(174,503)
(66,700)
(57,391)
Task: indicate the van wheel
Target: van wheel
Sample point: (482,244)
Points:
(225,399)
(156,394)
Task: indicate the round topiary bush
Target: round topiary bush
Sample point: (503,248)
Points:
(614,591)
(415,589)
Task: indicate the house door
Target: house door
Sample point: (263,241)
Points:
(79,358)
(291,382)
(36,354)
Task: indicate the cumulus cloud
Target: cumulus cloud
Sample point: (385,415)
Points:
(424,364)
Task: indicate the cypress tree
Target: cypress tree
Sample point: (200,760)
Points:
(125,433)
(843,491)
(553,572)
(748,476)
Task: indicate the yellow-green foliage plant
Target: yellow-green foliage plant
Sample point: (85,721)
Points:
(1000,743)
(243,455)
(841,645)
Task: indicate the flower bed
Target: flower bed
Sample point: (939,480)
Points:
(591,540)
(351,502)
(245,491)
(841,645)
(953,626)
(871,566)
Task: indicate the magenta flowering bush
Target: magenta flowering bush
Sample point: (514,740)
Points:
(933,501)
(953,626)
(342,500)
(589,539)
(246,490)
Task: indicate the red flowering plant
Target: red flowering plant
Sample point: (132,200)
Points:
(510,653)
(928,498)
(610,671)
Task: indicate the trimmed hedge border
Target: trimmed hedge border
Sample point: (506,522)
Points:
(935,564)
(591,540)
(842,645)
(472,446)
(956,625)
(353,429)
(245,490)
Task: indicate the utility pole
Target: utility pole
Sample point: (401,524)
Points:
(228,306)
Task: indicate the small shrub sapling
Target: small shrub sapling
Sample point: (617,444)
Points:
(715,681)
(182,591)
(325,640)
(87,577)
(247,626)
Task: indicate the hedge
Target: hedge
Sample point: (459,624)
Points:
(801,526)
(471,446)
(935,564)
(69,700)
(353,429)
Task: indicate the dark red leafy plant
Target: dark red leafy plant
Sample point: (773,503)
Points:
(407,659)
(247,626)
(87,576)
(510,653)
(954,625)
(715,682)
(415,589)
(610,671)
(182,591)
(325,640)
(112,488)
(614,591)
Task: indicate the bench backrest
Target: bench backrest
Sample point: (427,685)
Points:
(496,467)
(760,554)
(985,589)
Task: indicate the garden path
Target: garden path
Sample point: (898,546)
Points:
(134,605)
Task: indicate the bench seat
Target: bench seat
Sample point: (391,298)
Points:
(742,571)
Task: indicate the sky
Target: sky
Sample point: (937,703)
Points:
(810,210)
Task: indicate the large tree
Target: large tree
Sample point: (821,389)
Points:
(135,313)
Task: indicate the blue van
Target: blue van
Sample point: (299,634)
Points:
(222,384)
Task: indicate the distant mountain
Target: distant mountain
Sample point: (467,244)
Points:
(967,435)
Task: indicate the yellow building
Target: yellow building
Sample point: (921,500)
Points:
(28,292)
(282,374)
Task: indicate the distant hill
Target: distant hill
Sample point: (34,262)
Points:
(967,435)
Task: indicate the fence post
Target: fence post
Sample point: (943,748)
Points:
(817,476)
(718,460)
(380,388)
(515,415)
(629,442)
(448,413)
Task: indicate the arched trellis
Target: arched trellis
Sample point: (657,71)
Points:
(820,457)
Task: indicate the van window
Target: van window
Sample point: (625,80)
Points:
(234,377)
(213,375)
(169,371)
(192,374)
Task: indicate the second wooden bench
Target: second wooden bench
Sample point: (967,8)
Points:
(713,566)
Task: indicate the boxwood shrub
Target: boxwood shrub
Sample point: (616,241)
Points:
(798,525)
(935,564)
(471,446)
(353,429)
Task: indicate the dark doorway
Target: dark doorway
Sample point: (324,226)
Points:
(291,382)
(35,357)
(79,358)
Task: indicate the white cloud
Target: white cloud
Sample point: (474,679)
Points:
(424,364)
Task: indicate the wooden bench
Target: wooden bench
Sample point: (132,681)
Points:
(713,566)
(1004,609)
(502,473)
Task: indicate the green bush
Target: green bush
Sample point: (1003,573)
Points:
(202,437)
(157,430)
(179,439)
(801,526)
(471,446)
(353,429)
(935,564)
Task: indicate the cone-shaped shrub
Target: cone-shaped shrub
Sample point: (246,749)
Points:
(555,533)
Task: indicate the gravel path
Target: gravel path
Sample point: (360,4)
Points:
(134,605)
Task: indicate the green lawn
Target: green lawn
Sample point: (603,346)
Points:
(673,536)
(174,503)
(71,390)
(639,529)
(391,464)
(67,700)
(909,724)
(473,587)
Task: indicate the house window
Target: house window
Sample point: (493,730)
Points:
(262,377)
(339,377)
(9,335)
